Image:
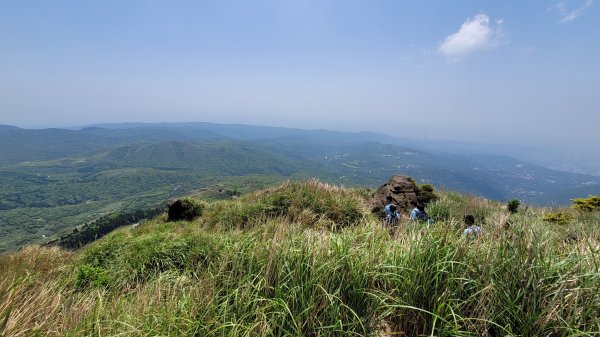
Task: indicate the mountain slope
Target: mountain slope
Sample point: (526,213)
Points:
(308,259)
(21,145)
(55,179)
(217,158)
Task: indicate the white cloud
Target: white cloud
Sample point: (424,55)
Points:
(570,15)
(474,35)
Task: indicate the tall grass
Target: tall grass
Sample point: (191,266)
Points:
(312,203)
(281,276)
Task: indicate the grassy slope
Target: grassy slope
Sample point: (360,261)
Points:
(124,169)
(307,260)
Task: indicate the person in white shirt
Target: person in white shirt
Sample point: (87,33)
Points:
(472,231)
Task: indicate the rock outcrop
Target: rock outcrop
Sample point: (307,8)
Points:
(401,189)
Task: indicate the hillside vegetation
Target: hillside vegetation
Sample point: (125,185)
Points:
(307,259)
(55,180)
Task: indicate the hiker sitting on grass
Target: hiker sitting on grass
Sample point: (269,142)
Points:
(472,231)
(418,212)
(391,212)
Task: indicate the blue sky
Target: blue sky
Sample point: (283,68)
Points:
(497,71)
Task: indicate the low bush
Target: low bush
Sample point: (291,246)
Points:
(91,276)
(426,194)
(185,209)
(559,218)
(589,204)
(513,205)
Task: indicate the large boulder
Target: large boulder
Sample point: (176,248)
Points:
(401,189)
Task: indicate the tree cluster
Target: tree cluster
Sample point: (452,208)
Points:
(96,229)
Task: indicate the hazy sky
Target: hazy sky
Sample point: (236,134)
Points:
(507,70)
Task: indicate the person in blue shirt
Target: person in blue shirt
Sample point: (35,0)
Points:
(472,231)
(418,212)
(391,212)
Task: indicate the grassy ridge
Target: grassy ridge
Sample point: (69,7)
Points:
(289,262)
(311,203)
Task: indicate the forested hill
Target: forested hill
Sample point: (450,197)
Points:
(45,144)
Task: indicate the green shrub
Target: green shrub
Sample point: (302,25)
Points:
(185,209)
(426,194)
(589,204)
(560,218)
(87,275)
(513,205)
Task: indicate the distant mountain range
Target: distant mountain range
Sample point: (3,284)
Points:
(354,158)
(54,179)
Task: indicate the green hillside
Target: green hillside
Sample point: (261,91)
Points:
(42,199)
(21,145)
(220,158)
(308,259)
